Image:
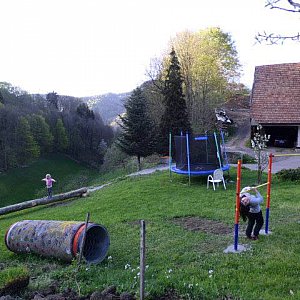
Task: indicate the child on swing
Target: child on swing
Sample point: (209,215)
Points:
(250,209)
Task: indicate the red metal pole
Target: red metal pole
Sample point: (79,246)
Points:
(237,205)
(268,192)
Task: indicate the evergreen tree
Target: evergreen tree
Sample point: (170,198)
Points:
(27,149)
(41,132)
(61,141)
(137,137)
(1,98)
(175,117)
(53,98)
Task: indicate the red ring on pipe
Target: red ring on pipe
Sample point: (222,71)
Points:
(76,238)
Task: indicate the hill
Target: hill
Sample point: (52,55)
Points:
(109,106)
(22,184)
(187,230)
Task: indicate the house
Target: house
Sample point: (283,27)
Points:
(275,103)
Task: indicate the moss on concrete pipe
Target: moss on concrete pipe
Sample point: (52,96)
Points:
(60,239)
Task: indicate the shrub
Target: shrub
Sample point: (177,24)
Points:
(289,174)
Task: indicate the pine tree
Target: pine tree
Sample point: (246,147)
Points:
(53,99)
(41,132)
(175,117)
(61,141)
(137,137)
(28,149)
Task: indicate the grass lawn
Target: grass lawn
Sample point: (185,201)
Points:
(22,184)
(189,261)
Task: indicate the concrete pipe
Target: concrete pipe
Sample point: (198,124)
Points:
(60,239)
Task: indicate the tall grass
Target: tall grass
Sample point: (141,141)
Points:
(191,262)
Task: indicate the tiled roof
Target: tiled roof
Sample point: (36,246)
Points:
(276,94)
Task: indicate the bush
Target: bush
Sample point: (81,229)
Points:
(289,174)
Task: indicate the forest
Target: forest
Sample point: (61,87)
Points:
(35,125)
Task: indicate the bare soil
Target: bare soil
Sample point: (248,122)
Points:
(194,223)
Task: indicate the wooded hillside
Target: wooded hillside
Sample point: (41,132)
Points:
(34,125)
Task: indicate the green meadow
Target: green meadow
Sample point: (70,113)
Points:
(22,184)
(188,260)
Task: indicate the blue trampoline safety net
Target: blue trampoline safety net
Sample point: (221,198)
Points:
(199,156)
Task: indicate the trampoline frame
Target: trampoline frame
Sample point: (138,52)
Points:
(189,172)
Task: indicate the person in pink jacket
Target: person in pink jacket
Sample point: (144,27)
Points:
(49,182)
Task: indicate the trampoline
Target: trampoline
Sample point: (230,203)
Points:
(199,155)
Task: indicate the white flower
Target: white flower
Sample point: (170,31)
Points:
(109,258)
(210,271)
(170,270)
(127,266)
(190,286)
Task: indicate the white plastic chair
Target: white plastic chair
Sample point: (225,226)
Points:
(217,177)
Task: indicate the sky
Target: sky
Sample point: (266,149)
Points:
(91,47)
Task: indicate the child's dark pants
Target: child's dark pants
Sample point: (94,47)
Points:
(49,189)
(254,219)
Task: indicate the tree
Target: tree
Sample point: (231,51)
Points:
(61,141)
(209,64)
(28,149)
(84,111)
(259,144)
(1,98)
(53,98)
(175,117)
(137,137)
(41,132)
(286,6)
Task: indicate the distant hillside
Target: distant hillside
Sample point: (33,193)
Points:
(108,105)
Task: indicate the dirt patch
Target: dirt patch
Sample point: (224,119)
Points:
(194,223)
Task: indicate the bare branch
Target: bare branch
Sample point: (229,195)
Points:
(273,39)
(271,5)
(293,3)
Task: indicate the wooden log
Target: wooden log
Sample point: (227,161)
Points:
(42,201)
